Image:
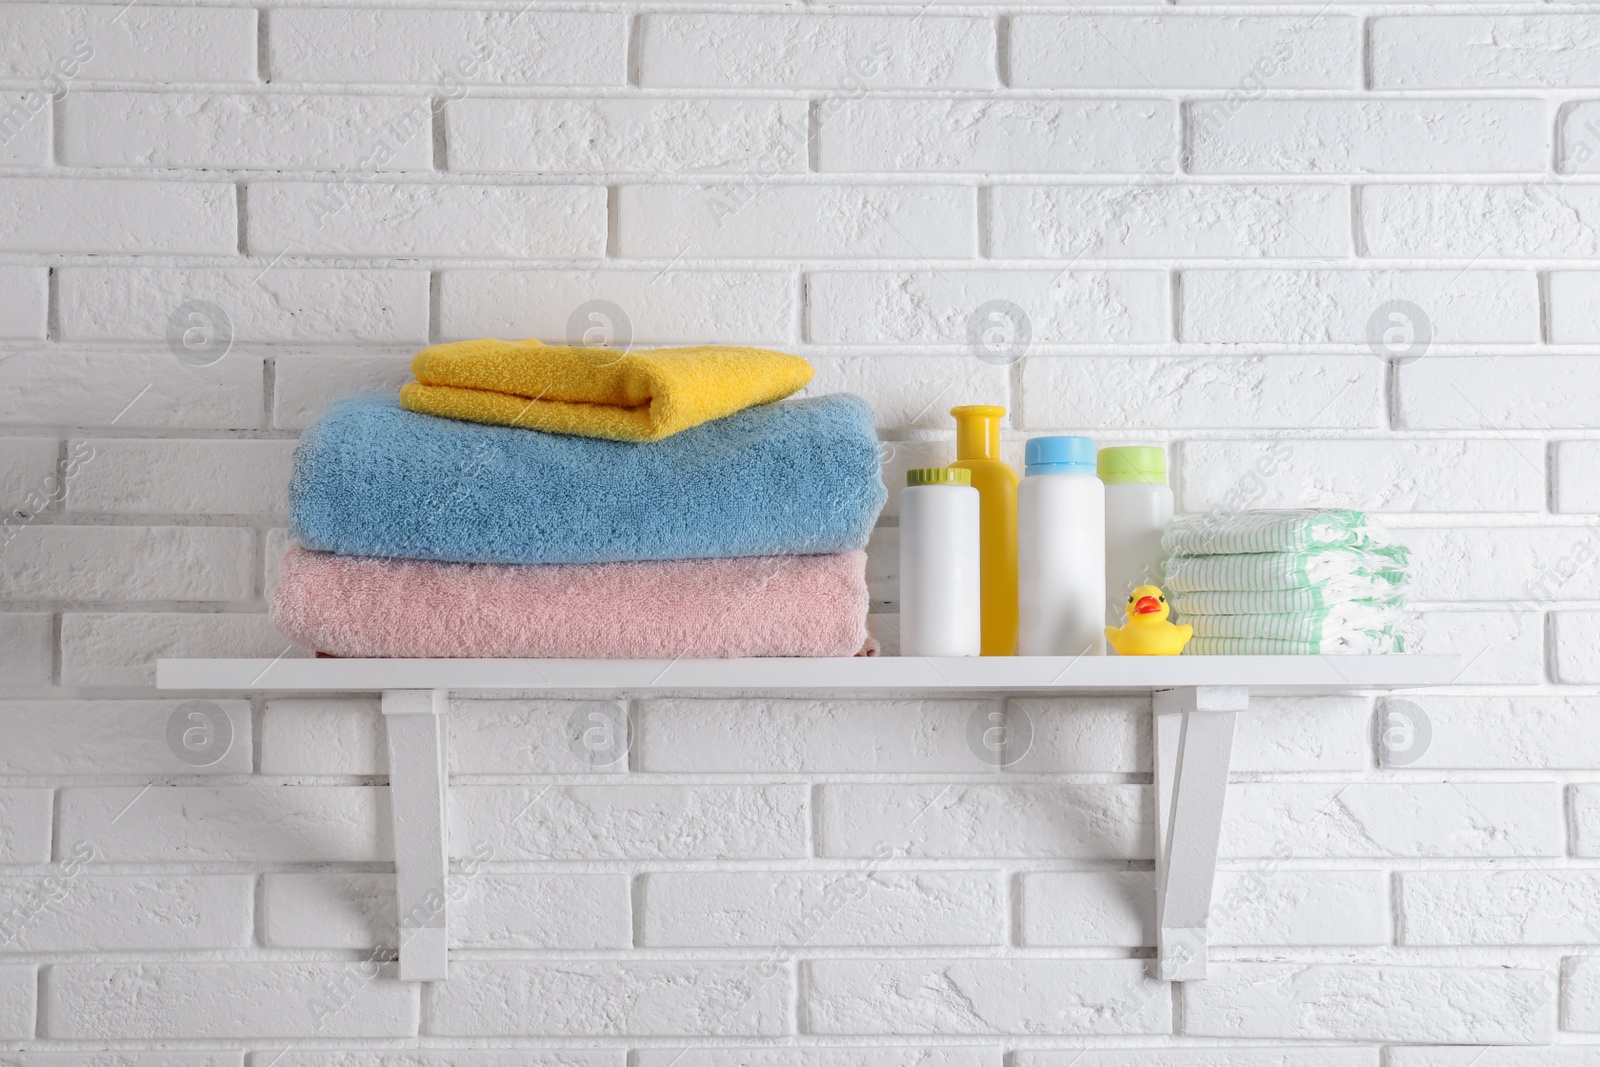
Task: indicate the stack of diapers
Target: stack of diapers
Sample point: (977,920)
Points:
(528,500)
(1286,583)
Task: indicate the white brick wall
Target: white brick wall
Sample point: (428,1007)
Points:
(1206,214)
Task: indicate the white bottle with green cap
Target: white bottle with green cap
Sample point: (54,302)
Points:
(941,613)
(1138,511)
(1061,550)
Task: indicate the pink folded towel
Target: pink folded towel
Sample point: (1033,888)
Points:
(357,606)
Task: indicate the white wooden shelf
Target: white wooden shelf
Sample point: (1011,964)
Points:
(1196,702)
(1019,674)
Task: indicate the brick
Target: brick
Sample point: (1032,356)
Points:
(1204,1056)
(141,44)
(883,569)
(1580,994)
(944,307)
(337,909)
(1585,818)
(175,563)
(353,217)
(1366,820)
(102,215)
(1474,221)
(1210,52)
(1099,734)
(751,218)
(125,1058)
(1346,307)
(132,477)
(453,1057)
(1504,475)
(197,824)
(994,996)
(633,822)
(537,736)
(501,135)
(257,131)
(847,909)
(28,480)
(70,911)
(1577,477)
(958,820)
(448,50)
(18,1000)
(1506,907)
(227,1000)
(1287,733)
(306,386)
(323,736)
(846,54)
(86,737)
(1578,138)
(804,736)
(25,127)
(262,303)
(1266,136)
(985,136)
(26,645)
(122,649)
(912,392)
(24,296)
(129,389)
(277,544)
(1267,907)
(1496,647)
(1577,645)
(1530,392)
(1099,908)
(1484,51)
(1511,563)
(1200,392)
(1143,220)
(1573,296)
(1503,733)
(1347,1002)
(668,308)
(748,998)
(819,1056)
(25,819)
(1445,1056)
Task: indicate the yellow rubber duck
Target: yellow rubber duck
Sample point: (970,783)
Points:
(1148,633)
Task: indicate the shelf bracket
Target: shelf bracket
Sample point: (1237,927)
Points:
(418,776)
(1193,744)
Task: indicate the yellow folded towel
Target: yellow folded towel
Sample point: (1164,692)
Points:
(597,392)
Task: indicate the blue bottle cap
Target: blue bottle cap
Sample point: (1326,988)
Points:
(1060,455)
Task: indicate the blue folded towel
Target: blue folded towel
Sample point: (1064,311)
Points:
(795,477)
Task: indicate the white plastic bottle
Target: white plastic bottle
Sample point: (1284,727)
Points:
(1138,512)
(940,610)
(1061,550)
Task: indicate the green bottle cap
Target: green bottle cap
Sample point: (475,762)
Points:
(1123,464)
(938,476)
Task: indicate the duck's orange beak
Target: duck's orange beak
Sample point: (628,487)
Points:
(1146,605)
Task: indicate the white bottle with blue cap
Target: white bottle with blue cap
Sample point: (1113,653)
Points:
(1061,550)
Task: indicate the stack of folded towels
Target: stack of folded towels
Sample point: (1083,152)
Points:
(1286,583)
(529,500)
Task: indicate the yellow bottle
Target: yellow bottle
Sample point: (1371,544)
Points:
(978,451)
